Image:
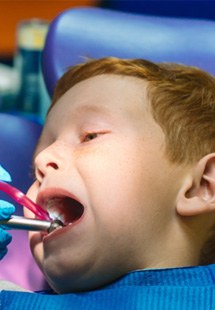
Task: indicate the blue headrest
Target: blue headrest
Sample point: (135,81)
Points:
(92,32)
(18,138)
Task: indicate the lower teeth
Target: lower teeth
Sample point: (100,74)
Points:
(56,224)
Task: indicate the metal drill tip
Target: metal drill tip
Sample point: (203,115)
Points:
(54,225)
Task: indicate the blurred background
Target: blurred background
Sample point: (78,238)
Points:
(23,26)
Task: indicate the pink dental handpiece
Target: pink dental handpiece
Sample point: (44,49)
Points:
(22,199)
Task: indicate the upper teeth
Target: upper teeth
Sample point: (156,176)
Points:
(53,211)
(56,216)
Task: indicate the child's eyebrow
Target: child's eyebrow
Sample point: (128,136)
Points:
(92,108)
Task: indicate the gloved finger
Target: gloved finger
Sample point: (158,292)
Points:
(5,239)
(3,253)
(4,175)
(6,209)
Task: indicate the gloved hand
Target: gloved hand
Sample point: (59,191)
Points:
(4,175)
(6,210)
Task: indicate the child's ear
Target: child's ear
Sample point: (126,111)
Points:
(197,194)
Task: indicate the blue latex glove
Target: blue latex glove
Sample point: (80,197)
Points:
(6,210)
(4,175)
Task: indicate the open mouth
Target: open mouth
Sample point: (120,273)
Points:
(65,209)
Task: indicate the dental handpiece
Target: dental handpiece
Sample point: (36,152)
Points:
(22,199)
(19,222)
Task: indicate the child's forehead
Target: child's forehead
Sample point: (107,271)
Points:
(103,93)
(109,95)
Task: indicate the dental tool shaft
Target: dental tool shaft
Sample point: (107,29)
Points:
(18,222)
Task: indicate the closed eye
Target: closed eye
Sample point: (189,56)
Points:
(87,137)
(90,136)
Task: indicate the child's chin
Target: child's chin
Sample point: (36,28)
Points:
(74,283)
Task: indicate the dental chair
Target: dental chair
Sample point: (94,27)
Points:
(82,33)
(18,137)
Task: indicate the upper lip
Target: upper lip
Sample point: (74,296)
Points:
(65,203)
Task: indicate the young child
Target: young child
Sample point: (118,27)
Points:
(126,161)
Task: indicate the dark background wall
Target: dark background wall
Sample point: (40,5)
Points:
(186,9)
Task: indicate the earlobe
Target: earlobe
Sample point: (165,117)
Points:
(197,195)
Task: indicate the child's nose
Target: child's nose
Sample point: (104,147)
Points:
(48,160)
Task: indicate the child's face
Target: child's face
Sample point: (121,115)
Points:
(101,147)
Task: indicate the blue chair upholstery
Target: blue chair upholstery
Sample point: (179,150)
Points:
(18,137)
(93,32)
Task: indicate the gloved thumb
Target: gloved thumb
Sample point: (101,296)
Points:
(6,209)
(4,175)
